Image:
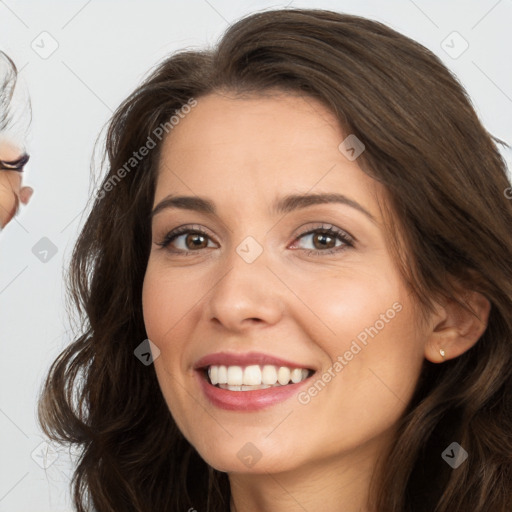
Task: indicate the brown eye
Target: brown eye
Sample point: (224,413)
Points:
(185,240)
(195,241)
(324,240)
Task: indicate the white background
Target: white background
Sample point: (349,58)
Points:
(104,49)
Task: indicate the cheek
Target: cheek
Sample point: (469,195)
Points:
(154,300)
(365,323)
(381,357)
(164,310)
(169,300)
(349,301)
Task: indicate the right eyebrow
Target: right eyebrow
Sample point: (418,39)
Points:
(186,203)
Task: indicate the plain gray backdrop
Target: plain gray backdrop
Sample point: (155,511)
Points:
(79,60)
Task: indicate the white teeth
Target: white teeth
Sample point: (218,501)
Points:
(242,388)
(283,375)
(296,375)
(222,376)
(235,375)
(238,378)
(252,375)
(213,373)
(269,375)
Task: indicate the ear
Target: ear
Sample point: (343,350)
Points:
(454,329)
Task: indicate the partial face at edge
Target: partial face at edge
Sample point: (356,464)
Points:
(315,299)
(10,182)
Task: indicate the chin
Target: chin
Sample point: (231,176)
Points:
(243,456)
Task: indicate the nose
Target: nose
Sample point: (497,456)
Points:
(246,294)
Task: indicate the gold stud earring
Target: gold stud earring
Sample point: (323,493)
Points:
(443,353)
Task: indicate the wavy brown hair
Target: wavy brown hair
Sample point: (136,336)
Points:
(449,228)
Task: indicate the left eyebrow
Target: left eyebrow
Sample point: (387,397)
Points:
(296,201)
(283,205)
(15,165)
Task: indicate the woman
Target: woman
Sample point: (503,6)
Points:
(13,157)
(295,221)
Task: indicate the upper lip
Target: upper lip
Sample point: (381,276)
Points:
(244,359)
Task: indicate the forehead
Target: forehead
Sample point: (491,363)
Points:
(259,146)
(282,122)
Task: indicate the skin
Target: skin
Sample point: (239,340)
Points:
(242,154)
(11,190)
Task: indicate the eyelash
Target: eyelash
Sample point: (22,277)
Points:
(347,239)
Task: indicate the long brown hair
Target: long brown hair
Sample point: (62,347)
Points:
(449,225)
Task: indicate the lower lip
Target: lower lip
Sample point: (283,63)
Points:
(247,400)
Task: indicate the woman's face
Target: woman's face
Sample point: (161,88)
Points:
(11,191)
(265,278)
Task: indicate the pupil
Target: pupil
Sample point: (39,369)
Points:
(194,238)
(323,236)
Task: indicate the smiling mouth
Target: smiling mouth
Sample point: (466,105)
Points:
(254,377)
